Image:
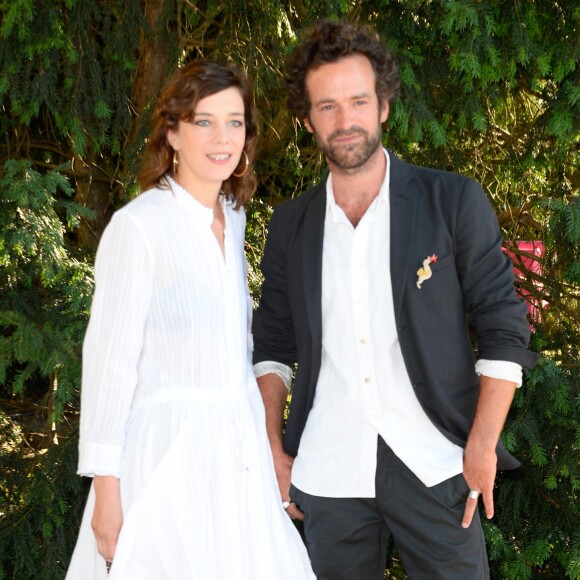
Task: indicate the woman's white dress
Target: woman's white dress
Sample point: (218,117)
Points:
(170,404)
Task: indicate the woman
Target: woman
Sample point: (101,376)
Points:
(172,423)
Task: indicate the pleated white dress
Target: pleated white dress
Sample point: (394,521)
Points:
(170,404)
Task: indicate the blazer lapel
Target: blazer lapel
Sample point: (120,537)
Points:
(312,257)
(403,207)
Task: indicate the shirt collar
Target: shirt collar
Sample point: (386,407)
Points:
(335,212)
(187,201)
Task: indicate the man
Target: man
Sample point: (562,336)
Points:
(370,280)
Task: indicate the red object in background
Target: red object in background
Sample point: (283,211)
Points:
(525,264)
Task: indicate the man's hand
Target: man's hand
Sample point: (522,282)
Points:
(283,466)
(479,458)
(108,515)
(479,470)
(274,395)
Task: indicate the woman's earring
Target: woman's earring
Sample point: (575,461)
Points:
(245,168)
(175,162)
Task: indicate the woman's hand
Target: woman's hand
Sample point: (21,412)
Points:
(108,514)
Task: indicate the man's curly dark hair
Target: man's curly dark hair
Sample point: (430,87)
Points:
(328,41)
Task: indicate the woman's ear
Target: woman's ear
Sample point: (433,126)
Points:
(172,139)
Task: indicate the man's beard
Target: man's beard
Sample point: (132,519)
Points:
(352,155)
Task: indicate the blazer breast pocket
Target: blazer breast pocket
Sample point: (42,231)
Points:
(437,281)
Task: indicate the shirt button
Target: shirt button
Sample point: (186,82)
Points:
(367,380)
(363,341)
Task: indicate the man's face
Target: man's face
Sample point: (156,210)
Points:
(345,116)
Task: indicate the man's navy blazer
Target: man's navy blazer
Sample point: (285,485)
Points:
(471,290)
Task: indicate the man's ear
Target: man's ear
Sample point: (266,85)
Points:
(308,125)
(385,111)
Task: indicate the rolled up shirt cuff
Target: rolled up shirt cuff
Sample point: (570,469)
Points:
(500,369)
(280,369)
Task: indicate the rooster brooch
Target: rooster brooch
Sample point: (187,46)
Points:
(425,272)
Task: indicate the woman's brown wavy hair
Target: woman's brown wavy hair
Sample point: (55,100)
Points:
(177,102)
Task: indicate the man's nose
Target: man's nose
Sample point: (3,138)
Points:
(344,118)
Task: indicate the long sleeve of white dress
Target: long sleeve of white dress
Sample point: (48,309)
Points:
(124,275)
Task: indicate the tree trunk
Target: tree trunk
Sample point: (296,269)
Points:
(152,67)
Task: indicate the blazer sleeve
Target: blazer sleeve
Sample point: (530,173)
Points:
(273,328)
(497,315)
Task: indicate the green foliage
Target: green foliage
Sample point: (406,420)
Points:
(83,101)
(258,215)
(43,311)
(538,512)
(45,290)
(489,88)
(41,501)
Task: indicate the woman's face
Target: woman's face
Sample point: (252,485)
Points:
(209,146)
